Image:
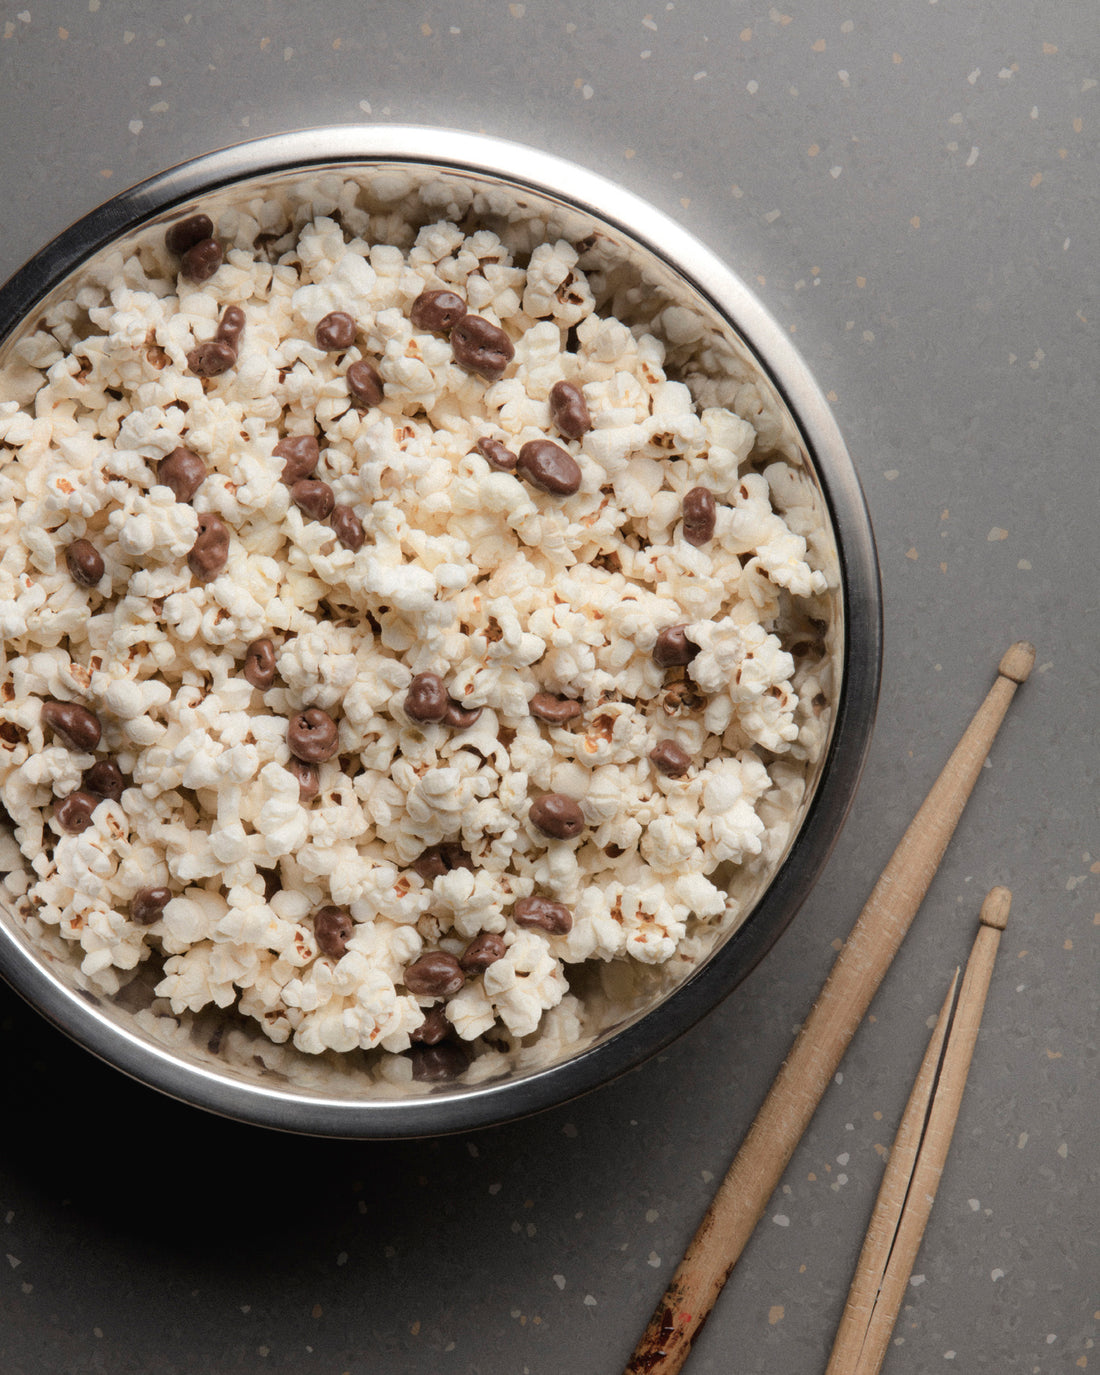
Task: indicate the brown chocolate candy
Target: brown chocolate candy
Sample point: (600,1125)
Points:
(670,758)
(105,779)
(435,974)
(335,332)
(76,726)
(347,527)
(543,914)
(202,260)
(550,467)
(309,779)
(364,381)
(302,454)
(74,813)
(482,347)
(459,717)
(441,859)
(557,816)
(556,710)
(312,736)
(436,1064)
(333,928)
(212,358)
(313,498)
(259,663)
(427,698)
(439,310)
(432,1029)
(183,471)
(430,864)
(148,904)
(569,410)
(673,647)
(482,951)
(185,234)
(231,326)
(497,455)
(210,552)
(85,562)
(700,515)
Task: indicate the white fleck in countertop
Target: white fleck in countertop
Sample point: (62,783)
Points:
(911,189)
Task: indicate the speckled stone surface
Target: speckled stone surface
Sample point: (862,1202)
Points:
(912,190)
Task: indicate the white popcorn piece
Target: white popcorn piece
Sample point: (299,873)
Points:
(192,918)
(282,822)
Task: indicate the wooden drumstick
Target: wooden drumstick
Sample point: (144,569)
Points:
(817,1051)
(942,1116)
(882,1231)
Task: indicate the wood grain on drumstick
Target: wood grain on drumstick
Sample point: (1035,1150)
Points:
(942,1117)
(817,1051)
(882,1231)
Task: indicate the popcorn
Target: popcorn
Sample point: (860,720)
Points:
(523,984)
(129,699)
(417,831)
(192,918)
(282,822)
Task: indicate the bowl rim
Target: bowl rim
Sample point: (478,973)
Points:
(548,175)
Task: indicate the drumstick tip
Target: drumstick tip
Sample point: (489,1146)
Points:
(995,908)
(1018,661)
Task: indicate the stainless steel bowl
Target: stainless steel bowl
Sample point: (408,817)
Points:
(727,338)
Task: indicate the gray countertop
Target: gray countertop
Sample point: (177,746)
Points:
(912,190)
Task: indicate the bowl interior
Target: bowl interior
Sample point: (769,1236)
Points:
(722,345)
